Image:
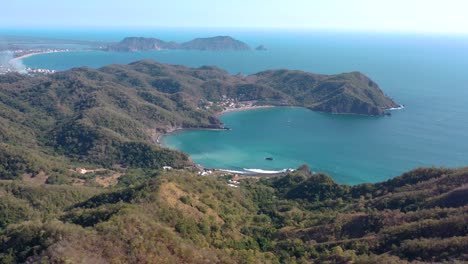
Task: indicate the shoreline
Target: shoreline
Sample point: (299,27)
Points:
(27,55)
(175,130)
(256,172)
(396,108)
(247,108)
(244,108)
(217,114)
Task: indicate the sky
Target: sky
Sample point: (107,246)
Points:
(442,16)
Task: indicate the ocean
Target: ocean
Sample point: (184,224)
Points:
(428,74)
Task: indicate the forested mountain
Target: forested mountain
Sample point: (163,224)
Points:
(180,217)
(100,115)
(82,180)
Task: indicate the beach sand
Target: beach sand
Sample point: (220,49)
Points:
(244,108)
(19,58)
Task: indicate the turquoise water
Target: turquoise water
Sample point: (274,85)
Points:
(426,73)
(353,149)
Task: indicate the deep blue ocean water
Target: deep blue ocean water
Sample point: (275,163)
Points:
(426,73)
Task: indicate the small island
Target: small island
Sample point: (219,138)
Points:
(217,43)
(261,48)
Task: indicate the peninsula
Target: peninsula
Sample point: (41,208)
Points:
(95,114)
(114,115)
(212,43)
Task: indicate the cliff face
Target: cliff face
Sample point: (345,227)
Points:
(214,43)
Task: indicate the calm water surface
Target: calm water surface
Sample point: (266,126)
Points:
(428,74)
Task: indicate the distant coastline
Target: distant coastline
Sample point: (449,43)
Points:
(24,56)
(27,55)
(217,43)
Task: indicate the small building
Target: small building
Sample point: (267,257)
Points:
(204,173)
(81,170)
(234,182)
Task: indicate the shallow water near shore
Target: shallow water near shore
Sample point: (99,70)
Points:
(339,145)
(426,73)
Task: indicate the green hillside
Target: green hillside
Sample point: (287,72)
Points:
(82,179)
(179,217)
(113,115)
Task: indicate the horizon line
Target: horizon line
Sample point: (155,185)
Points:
(291,29)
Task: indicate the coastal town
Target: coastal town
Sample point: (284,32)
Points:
(23,53)
(10,61)
(26,70)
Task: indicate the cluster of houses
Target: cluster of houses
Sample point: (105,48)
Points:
(233,183)
(205,172)
(227,104)
(32,71)
(6,69)
(230,103)
(37,71)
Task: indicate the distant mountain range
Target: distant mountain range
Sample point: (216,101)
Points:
(213,43)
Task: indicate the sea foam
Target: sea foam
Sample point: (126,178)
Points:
(260,171)
(233,171)
(397,108)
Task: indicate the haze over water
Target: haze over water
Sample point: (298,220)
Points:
(426,73)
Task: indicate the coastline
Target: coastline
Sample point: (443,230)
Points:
(27,55)
(246,108)
(396,108)
(174,130)
(217,114)
(243,108)
(244,172)
(23,57)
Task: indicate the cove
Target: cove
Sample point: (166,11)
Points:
(352,149)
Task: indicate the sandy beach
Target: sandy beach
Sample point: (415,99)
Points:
(24,56)
(244,108)
(14,60)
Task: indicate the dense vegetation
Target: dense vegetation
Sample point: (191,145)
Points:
(179,217)
(113,115)
(81,180)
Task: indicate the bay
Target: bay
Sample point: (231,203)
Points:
(426,73)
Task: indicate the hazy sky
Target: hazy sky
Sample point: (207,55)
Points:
(374,15)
